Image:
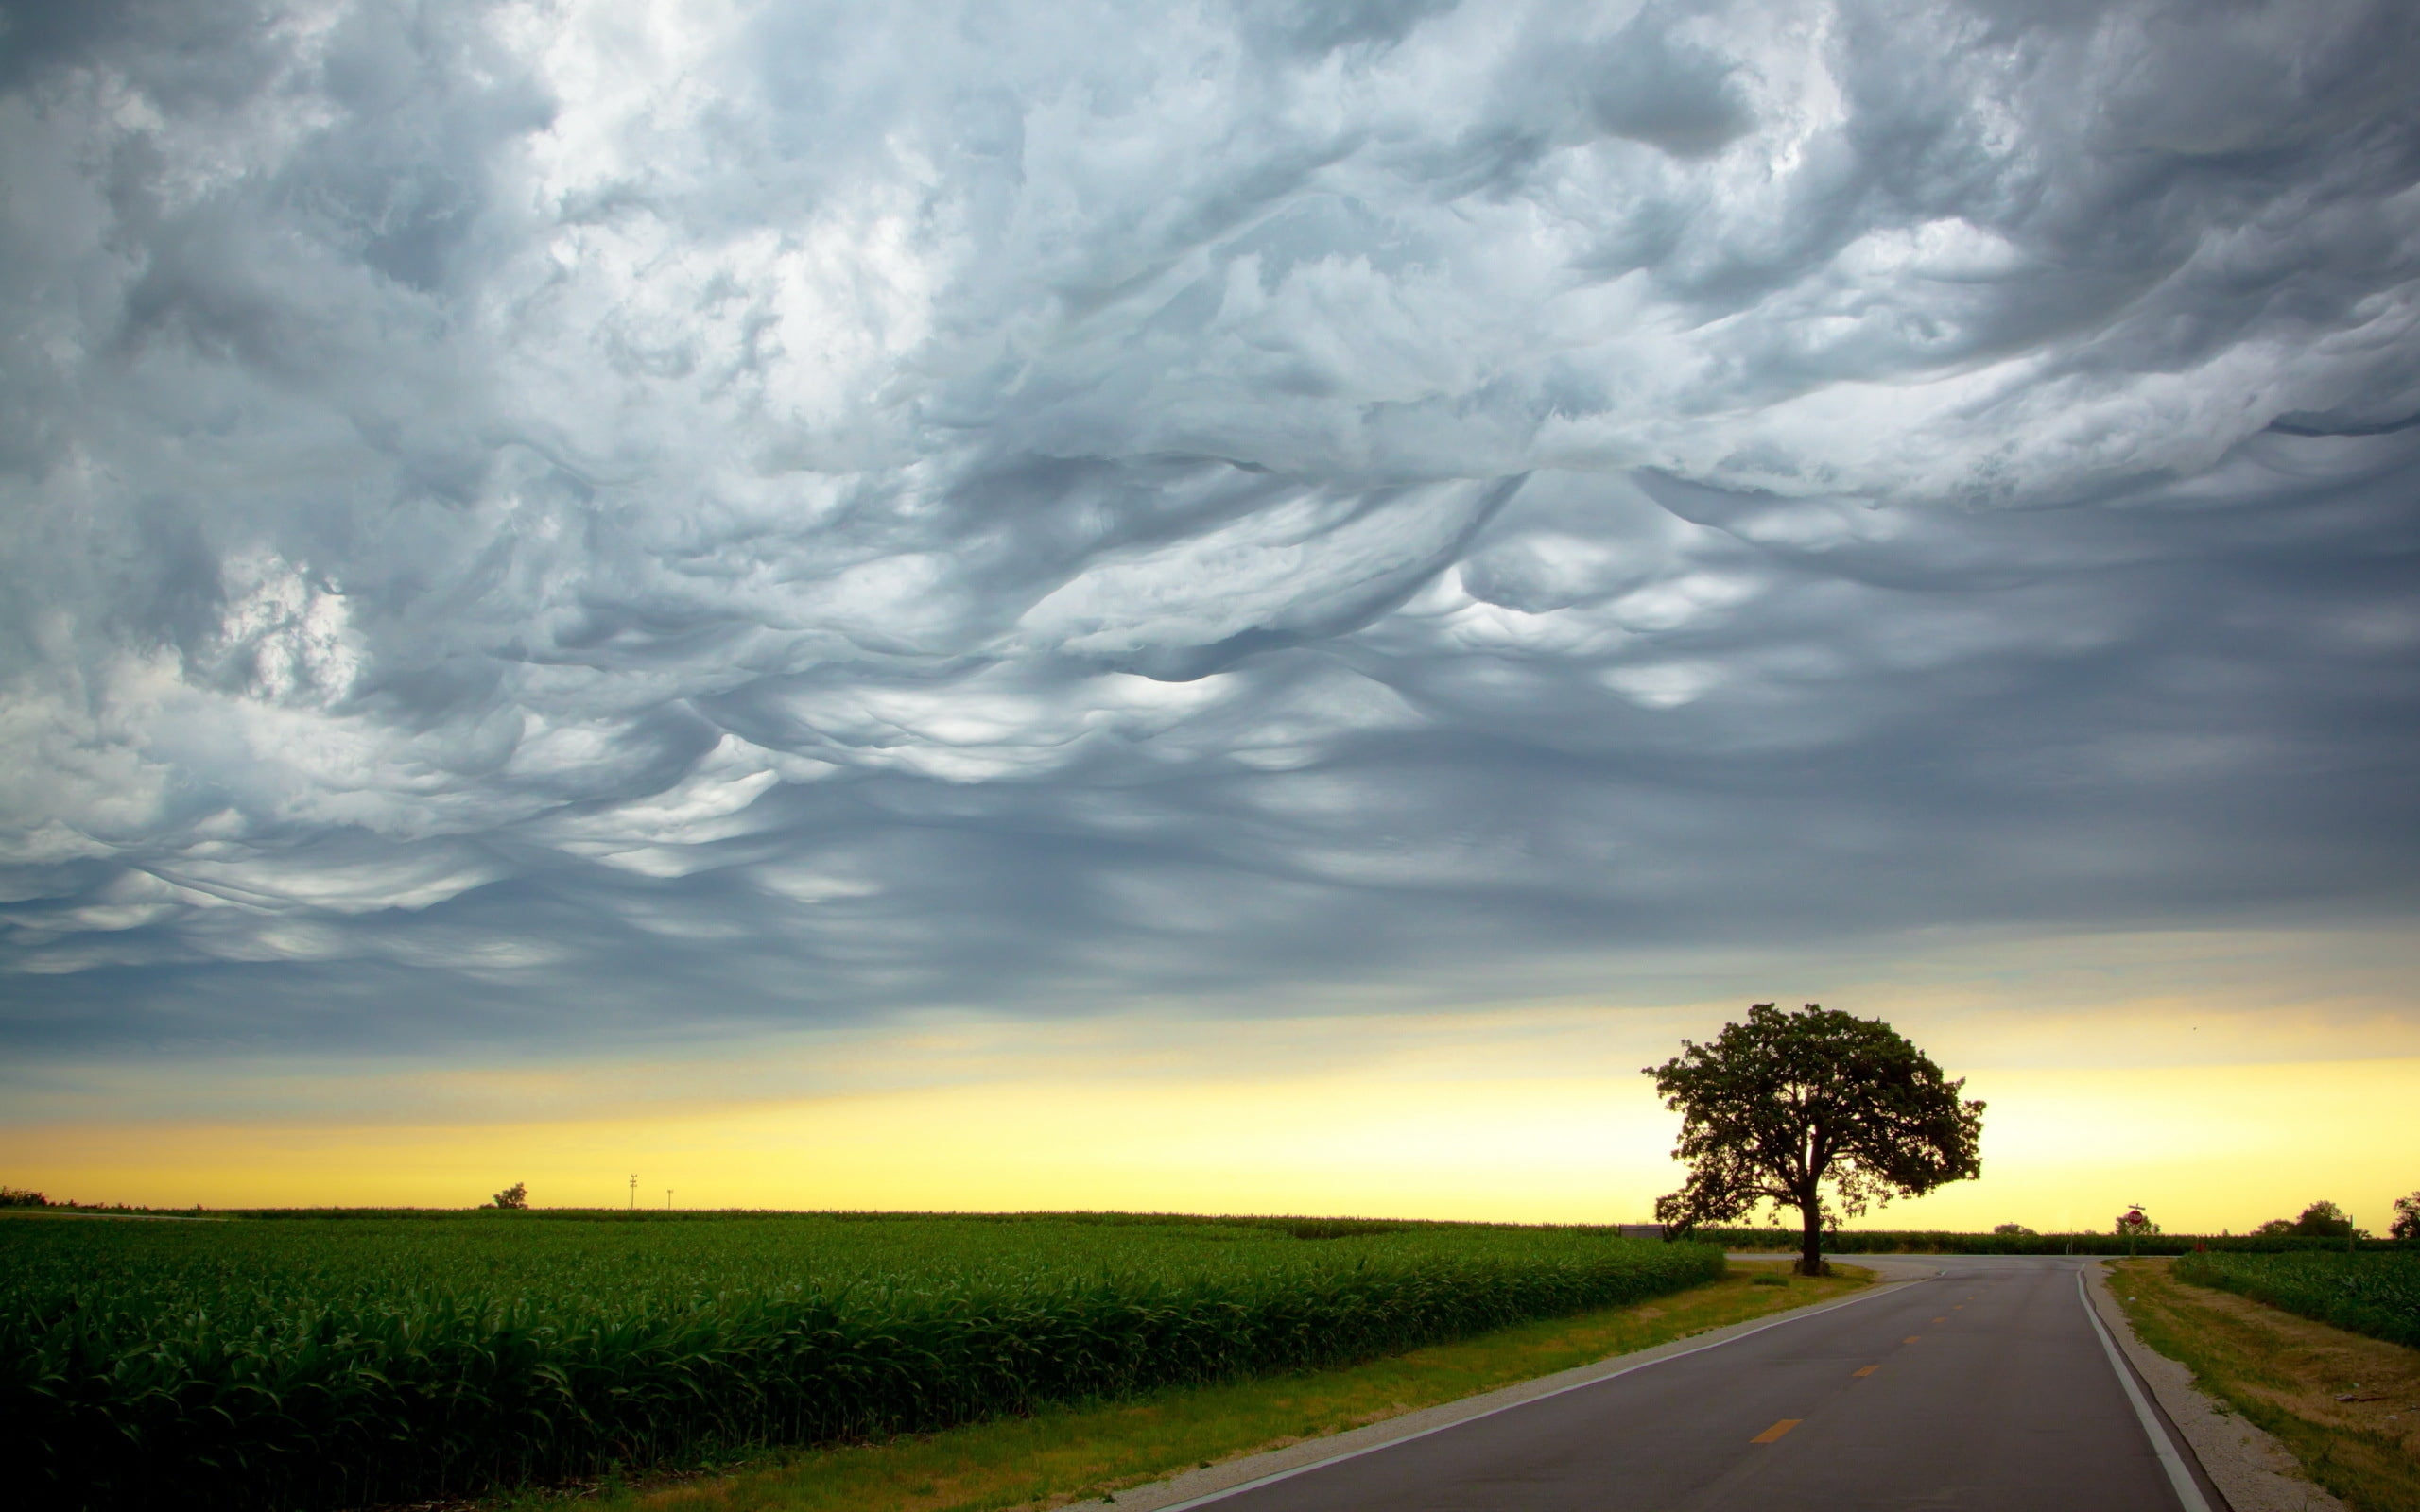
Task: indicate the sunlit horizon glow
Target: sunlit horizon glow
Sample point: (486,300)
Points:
(2206,1105)
(2067,1152)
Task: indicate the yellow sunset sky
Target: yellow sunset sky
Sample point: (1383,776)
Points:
(2220,1079)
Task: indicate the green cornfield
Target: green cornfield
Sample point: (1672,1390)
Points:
(2373,1293)
(335,1362)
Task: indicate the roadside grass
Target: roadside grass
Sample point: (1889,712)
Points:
(2288,1375)
(1087,1452)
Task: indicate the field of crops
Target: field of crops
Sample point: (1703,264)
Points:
(342,1362)
(2373,1293)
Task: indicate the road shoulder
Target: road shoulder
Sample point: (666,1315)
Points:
(1228,1476)
(2250,1467)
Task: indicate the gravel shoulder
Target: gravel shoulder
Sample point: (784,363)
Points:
(2249,1465)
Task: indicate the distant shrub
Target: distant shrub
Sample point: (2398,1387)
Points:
(2323,1220)
(2012,1229)
(15,1198)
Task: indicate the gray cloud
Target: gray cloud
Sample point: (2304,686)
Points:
(576,518)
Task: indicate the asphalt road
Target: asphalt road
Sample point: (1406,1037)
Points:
(1985,1388)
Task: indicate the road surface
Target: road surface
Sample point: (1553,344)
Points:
(1985,1388)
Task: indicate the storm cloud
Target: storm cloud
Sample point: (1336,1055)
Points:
(566,519)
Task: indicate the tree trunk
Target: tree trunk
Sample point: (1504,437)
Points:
(1810,1243)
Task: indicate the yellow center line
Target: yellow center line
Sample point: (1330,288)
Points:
(1941,1320)
(1912,1338)
(1776,1430)
(1867,1371)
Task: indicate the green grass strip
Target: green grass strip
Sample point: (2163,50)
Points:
(2283,1375)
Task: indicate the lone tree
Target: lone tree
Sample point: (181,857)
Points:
(1779,1106)
(2407,1218)
(512,1198)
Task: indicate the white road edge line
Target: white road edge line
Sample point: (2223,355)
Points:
(1208,1497)
(2179,1478)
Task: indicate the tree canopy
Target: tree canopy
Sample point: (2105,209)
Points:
(1815,1110)
(2320,1220)
(2323,1220)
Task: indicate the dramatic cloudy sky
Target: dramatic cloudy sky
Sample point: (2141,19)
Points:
(572,523)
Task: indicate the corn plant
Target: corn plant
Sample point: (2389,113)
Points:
(2377,1293)
(326,1364)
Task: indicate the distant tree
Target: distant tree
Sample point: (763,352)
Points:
(2276,1228)
(2133,1224)
(16,1197)
(2013,1229)
(2323,1220)
(1780,1108)
(513,1196)
(2407,1218)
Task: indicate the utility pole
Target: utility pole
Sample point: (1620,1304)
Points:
(668,1200)
(635,1192)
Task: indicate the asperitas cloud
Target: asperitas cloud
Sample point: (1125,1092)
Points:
(849,507)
